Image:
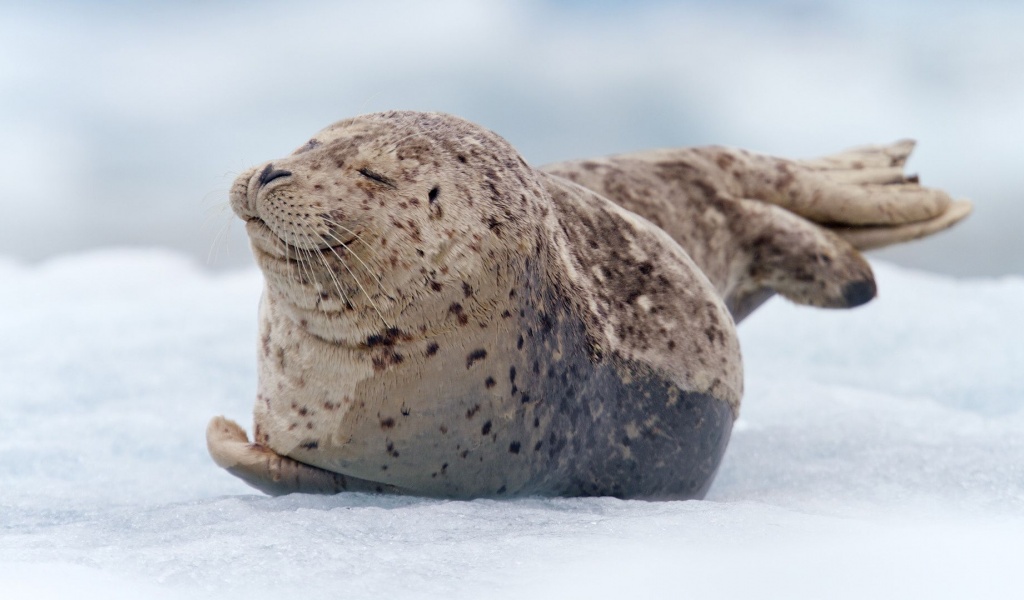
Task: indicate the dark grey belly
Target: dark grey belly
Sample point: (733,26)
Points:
(642,439)
(594,425)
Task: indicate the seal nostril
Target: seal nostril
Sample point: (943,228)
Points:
(269,174)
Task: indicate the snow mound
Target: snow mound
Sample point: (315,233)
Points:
(879,454)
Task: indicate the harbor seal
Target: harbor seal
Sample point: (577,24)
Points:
(440,318)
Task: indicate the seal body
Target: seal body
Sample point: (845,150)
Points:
(441,319)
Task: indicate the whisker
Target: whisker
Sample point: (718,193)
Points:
(220,238)
(376,278)
(318,286)
(332,223)
(342,296)
(423,133)
(304,259)
(358,283)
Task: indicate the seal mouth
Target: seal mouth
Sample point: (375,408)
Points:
(269,241)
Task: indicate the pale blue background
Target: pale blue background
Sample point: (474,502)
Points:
(123,123)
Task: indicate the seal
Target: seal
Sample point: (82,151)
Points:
(439,318)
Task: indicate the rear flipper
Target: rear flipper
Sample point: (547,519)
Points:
(860,195)
(757,224)
(869,237)
(271,473)
(859,187)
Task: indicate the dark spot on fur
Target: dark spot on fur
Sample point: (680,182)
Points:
(432,348)
(313,143)
(387,359)
(387,423)
(467,290)
(514,447)
(486,428)
(525,398)
(646,268)
(474,356)
(472,411)
(489,382)
(519,343)
(512,374)
(501,490)
(387,338)
(457,310)
(546,323)
(311,445)
(432,194)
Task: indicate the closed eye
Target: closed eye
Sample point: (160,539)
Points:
(376,177)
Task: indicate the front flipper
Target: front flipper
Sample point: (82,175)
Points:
(779,252)
(271,473)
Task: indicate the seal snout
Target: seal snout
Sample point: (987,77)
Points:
(269,174)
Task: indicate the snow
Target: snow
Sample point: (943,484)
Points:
(879,454)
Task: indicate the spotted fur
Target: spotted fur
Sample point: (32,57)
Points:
(440,318)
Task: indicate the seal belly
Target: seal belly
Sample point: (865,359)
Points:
(540,413)
(616,427)
(647,439)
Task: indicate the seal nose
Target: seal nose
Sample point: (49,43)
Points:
(269,174)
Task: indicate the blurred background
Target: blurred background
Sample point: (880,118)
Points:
(124,123)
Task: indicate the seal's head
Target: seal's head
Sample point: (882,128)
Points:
(378,211)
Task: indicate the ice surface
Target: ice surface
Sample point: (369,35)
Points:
(879,454)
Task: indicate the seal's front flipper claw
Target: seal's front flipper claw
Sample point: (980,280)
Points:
(271,473)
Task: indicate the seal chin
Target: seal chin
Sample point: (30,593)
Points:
(264,240)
